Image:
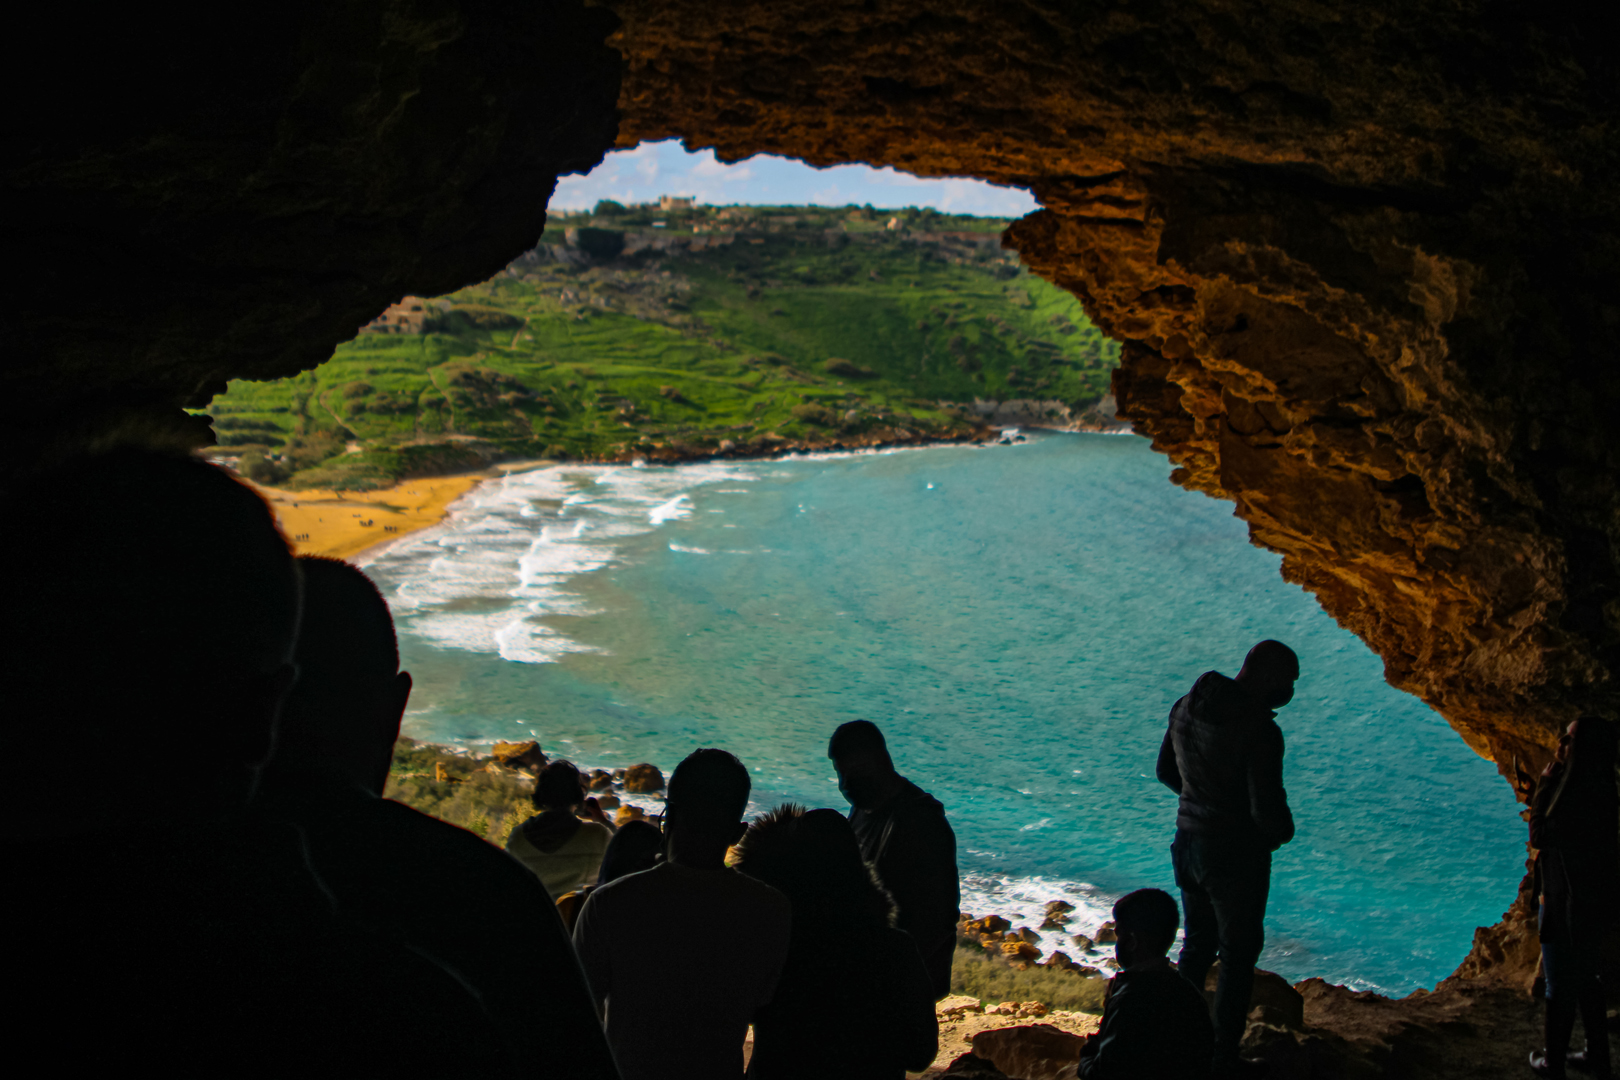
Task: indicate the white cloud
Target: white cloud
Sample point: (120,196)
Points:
(666,168)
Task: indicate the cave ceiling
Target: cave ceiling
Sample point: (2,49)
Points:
(1363,259)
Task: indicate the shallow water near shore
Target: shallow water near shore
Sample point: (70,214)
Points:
(1018,620)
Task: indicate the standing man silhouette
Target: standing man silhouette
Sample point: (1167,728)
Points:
(904,834)
(1223,755)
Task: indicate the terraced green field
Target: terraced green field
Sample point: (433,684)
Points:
(712,331)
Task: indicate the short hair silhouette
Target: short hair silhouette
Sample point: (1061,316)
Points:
(154,582)
(635,847)
(1272,658)
(858,738)
(558,787)
(1151,914)
(709,789)
(347,655)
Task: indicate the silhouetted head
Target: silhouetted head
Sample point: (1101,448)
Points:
(559,786)
(151,608)
(342,718)
(860,756)
(634,848)
(1146,921)
(708,795)
(814,858)
(1269,673)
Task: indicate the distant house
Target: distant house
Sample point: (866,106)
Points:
(675,202)
(409,316)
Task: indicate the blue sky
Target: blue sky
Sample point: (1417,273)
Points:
(666,168)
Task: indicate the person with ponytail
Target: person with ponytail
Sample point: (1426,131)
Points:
(1573,830)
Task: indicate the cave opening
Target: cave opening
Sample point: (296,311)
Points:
(587,342)
(1358,265)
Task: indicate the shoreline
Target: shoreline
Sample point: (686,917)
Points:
(363,522)
(348,524)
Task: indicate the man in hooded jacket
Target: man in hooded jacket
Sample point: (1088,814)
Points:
(1223,755)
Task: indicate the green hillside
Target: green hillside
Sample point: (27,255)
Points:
(667,335)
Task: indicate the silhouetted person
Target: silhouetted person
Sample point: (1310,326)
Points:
(1223,755)
(1155,1024)
(564,852)
(1572,828)
(636,846)
(685,954)
(438,889)
(904,834)
(844,948)
(150,615)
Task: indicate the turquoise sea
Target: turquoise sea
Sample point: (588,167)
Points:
(1018,620)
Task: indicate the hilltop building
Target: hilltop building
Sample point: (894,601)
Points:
(408,316)
(675,202)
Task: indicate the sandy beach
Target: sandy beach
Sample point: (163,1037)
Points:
(343,524)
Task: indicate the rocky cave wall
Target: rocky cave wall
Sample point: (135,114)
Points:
(197,196)
(1363,259)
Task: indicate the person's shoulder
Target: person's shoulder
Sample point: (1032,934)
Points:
(632,892)
(1160,985)
(446,841)
(915,803)
(630,886)
(740,882)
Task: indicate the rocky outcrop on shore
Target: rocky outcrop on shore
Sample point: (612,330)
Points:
(1099,416)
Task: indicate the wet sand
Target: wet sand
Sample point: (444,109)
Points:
(343,524)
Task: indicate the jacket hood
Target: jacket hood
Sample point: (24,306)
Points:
(1216,699)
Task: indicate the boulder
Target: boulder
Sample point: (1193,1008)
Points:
(629,813)
(599,781)
(1026,934)
(608,802)
(643,778)
(1106,934)
(1057,913)
(957,1004)
(990,924)
(1083,943)
(990,940)
(1019,950)
(1030,1051)
(1276,1002)
(1088,972)
(520,755)
(1058,960)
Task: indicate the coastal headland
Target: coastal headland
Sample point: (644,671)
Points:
(632,333)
